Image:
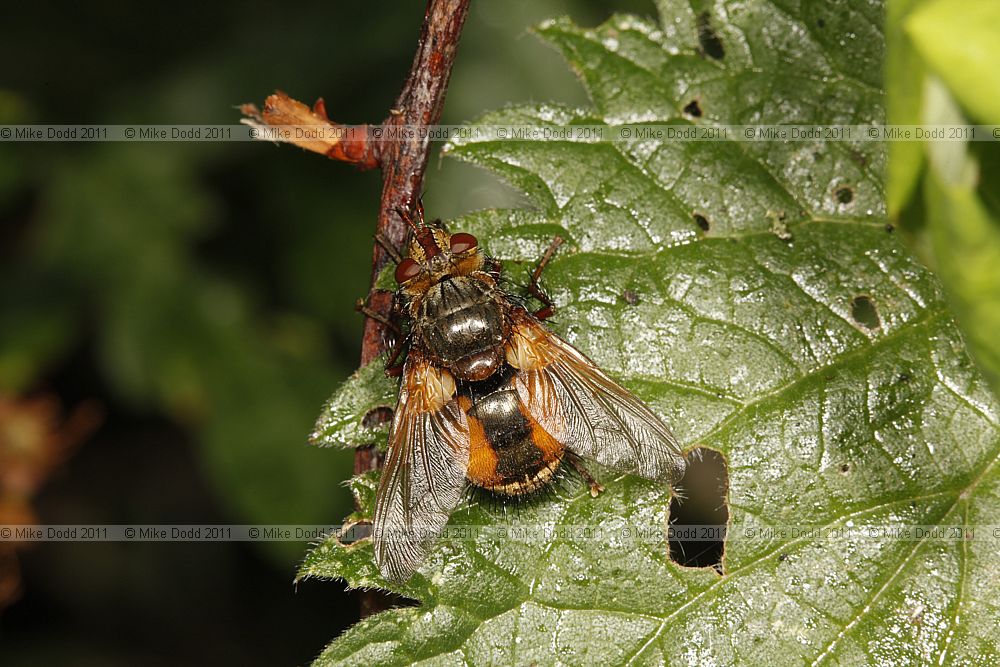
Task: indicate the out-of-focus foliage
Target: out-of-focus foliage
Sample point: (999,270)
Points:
(120,259)
(943,69)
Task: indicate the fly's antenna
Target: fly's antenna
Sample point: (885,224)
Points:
(419,208)
(415,217)
(405,216)
(423,234)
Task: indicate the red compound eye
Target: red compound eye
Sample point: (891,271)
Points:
(407,270)
(463,242)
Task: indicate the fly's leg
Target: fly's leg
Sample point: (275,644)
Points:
(362,307)
(394,254)
(394,342)
(494,267)
(393,368)
(548,308)
(595,487)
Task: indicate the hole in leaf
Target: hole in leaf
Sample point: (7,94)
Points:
(711,45)
(864,313)
(377,416)
(693,109)
(701,221)
(699,511)
(382,601)
(844,195)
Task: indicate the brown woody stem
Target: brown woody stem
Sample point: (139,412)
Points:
(403,165)
(403,162)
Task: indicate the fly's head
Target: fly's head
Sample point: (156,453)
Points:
(435,255)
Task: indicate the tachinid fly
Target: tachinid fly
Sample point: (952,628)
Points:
(490,397)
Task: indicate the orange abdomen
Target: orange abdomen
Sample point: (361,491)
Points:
(510,453)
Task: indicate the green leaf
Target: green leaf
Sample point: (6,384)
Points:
(960,42)
(342,422)
(941,67)
(796,335)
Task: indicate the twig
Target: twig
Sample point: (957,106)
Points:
(403,161)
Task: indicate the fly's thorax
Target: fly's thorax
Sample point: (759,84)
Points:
(462,323)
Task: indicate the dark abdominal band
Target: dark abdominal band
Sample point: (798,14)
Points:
(521,466)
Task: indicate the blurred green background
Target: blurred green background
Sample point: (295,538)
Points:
(943,67)
(201,295)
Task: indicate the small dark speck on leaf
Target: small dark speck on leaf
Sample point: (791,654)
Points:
(711,45)
(904,377)
(377,416)
(858,157)
(782,557)
(845,468)
(701,221)
(630,296)
(693,108)
(821,23)
(864,313)
(844,195)
(889,228)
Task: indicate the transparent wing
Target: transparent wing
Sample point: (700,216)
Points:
(591,414)
(424,474)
